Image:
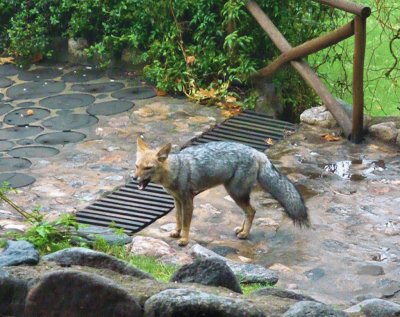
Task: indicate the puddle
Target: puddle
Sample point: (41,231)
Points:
(355,170)
(67,101)
(135,93)
(36,89)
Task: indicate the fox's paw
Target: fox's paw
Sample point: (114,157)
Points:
(242,235)
(238,230)
(182,242)
(175,234)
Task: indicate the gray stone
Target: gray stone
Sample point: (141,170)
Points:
(82,294)
(334,245)
(19,252)
(152,247)
(247,273)
(388,288)
(319,116)
(12,295)
(269,291)
(376,308)
(87,257)
(371,269)
(91,233)
(224,250)
(315,274)
(386,131)
(189,303)
(313,309)
(211,271)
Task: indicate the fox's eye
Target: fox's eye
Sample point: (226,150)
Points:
(137,166)
(148,167)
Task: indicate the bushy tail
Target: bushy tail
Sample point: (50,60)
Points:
(283,190)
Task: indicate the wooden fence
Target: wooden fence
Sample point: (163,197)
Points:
(352,127)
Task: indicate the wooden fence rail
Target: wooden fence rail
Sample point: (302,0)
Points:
(352,128)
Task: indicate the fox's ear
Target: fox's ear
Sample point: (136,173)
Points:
(163,153)
(141,145)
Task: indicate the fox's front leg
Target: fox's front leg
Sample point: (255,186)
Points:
(178,218)
(187,212)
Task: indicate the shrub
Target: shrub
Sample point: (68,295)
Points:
(188,46)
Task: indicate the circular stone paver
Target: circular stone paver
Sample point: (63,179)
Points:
(110,107)
(4,108)
(81,75)
(97,88)
(135,93)
(12,164)
(19,132)
(8,70)
(25,116)
(25,142)
(5,82)
(36,89)
(69,121)
(33,151)
(54,138)
(6,145)
(39,74)
(68,101)
(16,180)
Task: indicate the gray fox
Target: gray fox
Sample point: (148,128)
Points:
(198,168)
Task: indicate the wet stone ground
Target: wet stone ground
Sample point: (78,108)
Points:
(69,132)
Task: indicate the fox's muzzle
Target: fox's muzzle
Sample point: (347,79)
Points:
(142,183)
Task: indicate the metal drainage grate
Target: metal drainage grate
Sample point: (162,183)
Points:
(133,210)
(249,127)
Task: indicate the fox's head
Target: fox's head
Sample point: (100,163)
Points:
(150,163)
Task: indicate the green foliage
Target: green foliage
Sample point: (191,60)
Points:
(187,45)
(51,236)
(157,269)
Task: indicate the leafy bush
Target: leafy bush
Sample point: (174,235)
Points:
(188,45)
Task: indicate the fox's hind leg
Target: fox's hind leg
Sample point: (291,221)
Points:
(240,193)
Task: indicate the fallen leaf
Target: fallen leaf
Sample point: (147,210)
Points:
(161,93)
(29,112)
(37,57)
(6,60)
(230,99)
(190,60)
(330,137)
(269,141)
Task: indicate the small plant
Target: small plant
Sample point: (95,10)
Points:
(155,268)
(46,236)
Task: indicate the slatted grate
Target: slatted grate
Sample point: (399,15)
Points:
(133,210)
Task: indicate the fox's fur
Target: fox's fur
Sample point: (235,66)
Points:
(198,168)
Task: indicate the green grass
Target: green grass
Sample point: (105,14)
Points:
(382,94)
(160,271)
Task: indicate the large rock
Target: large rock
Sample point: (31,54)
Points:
(319,116)
(268,291)
(189,303)
(247,273)
(211,271)
(12,295)
(386,131)
(149,246)
(376,308)
(90,234)
(65,294)
(19,252)
(87,257)
(313,309)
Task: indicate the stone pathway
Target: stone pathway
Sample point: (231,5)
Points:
(352,191)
